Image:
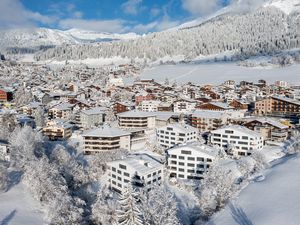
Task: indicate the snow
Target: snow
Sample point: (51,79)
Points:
(216,73)
(287,6)
(18,207)
(274,200)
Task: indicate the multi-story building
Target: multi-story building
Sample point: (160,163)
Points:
(6,95)
(57,130)
(120,107)
(143,96)
(238,139)
(270,129)
(31,108)
(215,106)
(184,106)
(140,171)
(175,134)
(277,106)
(105,139)
(92,117)
(206,120)
(149,106)
(190,161)
(61,111)
(136,119)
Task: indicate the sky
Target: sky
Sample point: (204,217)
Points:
(113,16)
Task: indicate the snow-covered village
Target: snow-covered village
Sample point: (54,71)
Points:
(159,119)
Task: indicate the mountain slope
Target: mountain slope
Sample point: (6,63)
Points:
(33,39)
(264,31)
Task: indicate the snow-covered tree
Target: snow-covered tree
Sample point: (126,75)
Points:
(26,144)
(158,206)
(104,210)
(216,188)
(129,212)
(260,161)
(8,124)
(22,97)
(3,176)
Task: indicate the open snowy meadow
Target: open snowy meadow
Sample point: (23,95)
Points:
(216,73)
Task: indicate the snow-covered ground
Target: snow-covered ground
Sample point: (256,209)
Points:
(17,207)
(275,200)
(216,73)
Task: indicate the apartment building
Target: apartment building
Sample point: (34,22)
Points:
(149,106)
(136,120)
(190,161)
(57,130)
(31,108)
(269,128)
(276,105)
(184,106)
(120,107)
(206,120)
(105,139)
(175,134)
(238,139)
(140,171)
(92,117)
(61,111)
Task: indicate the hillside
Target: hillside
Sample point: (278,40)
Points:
(33,39)
(264,31)
(261,204)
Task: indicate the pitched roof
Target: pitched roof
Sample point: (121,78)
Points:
(105,131)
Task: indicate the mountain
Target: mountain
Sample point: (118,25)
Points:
(258,29)
(238,6)
(32,39)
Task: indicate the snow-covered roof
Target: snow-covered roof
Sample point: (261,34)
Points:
(222,105)
(180,128)
(208,114)
(266,120)
(292,101)
(238,128)
(205,150)
(105,131)
(141,163)
(136,113)
(93,111)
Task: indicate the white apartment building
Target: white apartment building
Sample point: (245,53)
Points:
(241,140)
(136,120)
(140,171)
(149,106)
(190,161)
(105,139)
(184,106)
(92,117)
(174,134)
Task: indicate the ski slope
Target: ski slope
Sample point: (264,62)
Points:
(273,201)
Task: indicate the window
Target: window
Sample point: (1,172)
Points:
(191,171)
(173,162)
(180,169)
(225,136)
(113,175)
(114,182)
(122,167)
(191,164)
(159,171)
(119,172)
(191,158)
(119,178)
(149,175)
(181,175)
(245,137)
(235,137)
(113,169)
(186,152)
(174,156)
(209,160)
(126,181)
(181,164)
(126,174)
(200,159)
(181,157)
(228,132)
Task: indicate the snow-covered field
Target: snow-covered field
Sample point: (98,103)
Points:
(275,200)
(216,73)
(17,207)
